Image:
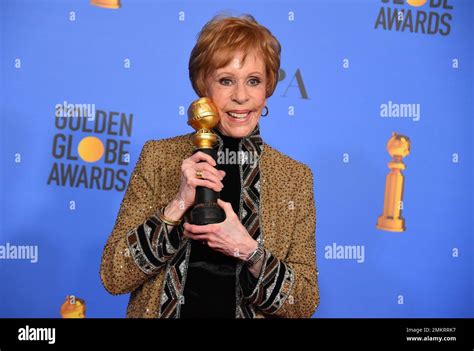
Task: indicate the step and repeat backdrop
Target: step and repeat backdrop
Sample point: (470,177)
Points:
(367,88)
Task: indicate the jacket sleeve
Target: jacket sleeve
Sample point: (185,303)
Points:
(139,245)
(288,288)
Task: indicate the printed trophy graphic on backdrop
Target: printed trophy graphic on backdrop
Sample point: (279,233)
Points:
(203,116)
(108,4)
(398,146)
(73,307)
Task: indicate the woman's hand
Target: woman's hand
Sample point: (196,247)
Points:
(211,178)
(229,237)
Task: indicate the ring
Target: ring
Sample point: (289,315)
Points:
(199,174)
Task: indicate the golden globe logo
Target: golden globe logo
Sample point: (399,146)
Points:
(416,3)
(91,152)
(90,149)
(416,16)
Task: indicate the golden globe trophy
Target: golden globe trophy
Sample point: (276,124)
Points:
(108,4)
(203,116)
(73,307)
(398,146)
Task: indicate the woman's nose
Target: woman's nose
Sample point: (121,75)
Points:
(240,94)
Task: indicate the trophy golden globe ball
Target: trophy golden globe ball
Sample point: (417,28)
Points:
(73,310)
(203,116)
(398,145)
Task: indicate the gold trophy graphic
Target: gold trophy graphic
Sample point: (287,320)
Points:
(203,116)
(398,146)
(108,4)
(73,307)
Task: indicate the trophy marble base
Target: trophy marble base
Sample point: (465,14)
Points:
(206,213)
(391,224)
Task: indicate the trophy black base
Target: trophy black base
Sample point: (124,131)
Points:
(206,213)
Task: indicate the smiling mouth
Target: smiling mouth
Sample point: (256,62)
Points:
(241,115)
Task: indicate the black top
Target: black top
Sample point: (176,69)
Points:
(209,290)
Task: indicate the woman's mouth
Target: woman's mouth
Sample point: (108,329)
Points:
(240,116)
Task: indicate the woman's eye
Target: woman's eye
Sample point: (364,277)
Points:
(254,81)
(225,81)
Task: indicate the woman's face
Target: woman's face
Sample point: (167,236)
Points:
(238,90)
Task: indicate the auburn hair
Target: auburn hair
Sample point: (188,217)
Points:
(221,37)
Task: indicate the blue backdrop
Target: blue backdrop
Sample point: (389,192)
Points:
(344,63)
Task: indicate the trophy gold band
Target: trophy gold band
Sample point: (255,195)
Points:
(203,116)
(398,146)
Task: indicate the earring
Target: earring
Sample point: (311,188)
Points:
(266,112)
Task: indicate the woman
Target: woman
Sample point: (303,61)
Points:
(260,261)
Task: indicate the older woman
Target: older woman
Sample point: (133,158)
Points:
(260,261)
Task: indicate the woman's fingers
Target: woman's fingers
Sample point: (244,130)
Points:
(204,166)
(207,183)
(194,236)
(201,156)
(189,163)
(200,229)
(211,177)
(227,207)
